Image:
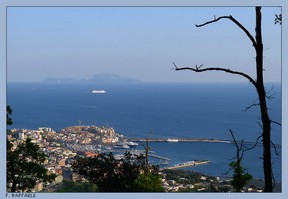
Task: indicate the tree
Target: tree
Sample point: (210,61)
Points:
(25,164)
(148,182)
(8,115)
(258,84)
(240,176)
(147,149)
(70,186)
(108,173)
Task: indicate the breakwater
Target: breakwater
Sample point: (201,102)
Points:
(207,140)
(179,140)
(189,164)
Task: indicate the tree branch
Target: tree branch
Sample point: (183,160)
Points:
(268,95)
(276,152)
(227,70)
(236,22)
(272,121)
(239,149)
(256,143)
(248,107)
(260,125)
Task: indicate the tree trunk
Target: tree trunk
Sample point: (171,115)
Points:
(259,85)
(263,106)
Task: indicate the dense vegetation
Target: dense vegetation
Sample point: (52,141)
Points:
(70,186)
(24,164)
(148,183)
(188,176)
(118,175)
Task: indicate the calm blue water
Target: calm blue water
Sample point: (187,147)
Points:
(198,110)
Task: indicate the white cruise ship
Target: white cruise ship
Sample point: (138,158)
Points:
(98,91)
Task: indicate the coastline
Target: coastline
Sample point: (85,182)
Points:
(88,140)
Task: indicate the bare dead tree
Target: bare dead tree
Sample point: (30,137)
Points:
(147,149)
(258,84)
(240,176)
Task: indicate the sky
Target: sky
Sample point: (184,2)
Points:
(137,42)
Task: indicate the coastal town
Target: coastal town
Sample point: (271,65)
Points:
(87,141)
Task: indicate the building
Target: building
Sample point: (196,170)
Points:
(21,136)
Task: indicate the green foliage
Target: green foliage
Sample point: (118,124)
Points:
(25,166)
(178,175)
(70,186)
(8,114)
(240,177)
(148,183)
(113,175)
(108,173)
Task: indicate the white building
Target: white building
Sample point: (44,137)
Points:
(21,136)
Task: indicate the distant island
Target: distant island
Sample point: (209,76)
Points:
(106,78)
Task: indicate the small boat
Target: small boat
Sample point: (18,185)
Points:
(121,146)
(132,144)
(164,162)
(98,91)
(125,146)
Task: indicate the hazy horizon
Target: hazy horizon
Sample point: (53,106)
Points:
(137,42)
(139,80)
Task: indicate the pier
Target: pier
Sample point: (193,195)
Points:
(180,140)
(159,157)
(203,140)
(189,164)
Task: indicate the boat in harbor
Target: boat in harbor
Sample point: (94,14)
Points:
(164,162)
(131,144)
(108,148)
(121,146)
(98,91)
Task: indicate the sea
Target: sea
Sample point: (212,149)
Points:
(160,110)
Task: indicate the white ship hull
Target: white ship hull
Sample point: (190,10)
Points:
(98,91)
